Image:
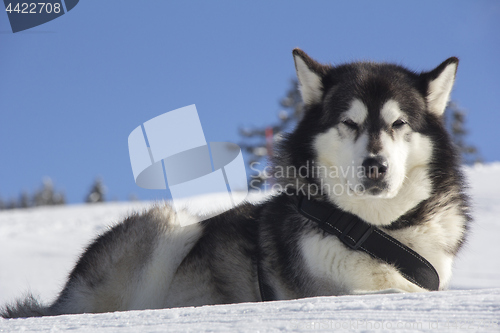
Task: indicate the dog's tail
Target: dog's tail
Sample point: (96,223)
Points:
(22,308)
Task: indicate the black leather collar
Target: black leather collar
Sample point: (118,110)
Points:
(361,236)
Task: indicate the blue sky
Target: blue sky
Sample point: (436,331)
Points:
(73,89)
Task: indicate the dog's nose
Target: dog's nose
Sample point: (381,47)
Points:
(375,167)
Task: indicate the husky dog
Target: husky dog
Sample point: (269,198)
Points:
(371,151)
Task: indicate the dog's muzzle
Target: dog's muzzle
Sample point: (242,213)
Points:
(375,170)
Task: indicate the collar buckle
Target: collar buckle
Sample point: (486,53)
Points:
(357,244)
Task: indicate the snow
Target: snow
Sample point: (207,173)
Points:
(39,246)
(473,310)
(478,266)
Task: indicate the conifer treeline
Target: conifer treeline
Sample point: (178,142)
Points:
(47,195)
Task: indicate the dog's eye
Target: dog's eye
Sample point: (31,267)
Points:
(398,123)
(351,124)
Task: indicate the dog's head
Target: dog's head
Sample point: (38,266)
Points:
(369,125)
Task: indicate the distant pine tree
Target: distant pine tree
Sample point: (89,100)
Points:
(24,200)
(258,141)
(97,192)
(47,196)
(455,123)
(59,198)
(12,204)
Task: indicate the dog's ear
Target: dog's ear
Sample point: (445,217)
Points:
(309,73)
(439,84)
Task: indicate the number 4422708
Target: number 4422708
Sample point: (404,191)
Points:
(34,8)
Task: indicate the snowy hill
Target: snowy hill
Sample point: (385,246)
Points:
(451,311)
(39,247)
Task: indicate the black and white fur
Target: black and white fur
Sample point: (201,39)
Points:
(356,115)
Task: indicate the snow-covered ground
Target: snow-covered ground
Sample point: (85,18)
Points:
(39,246)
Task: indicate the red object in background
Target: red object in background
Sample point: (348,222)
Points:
(269,147)
(269,141)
